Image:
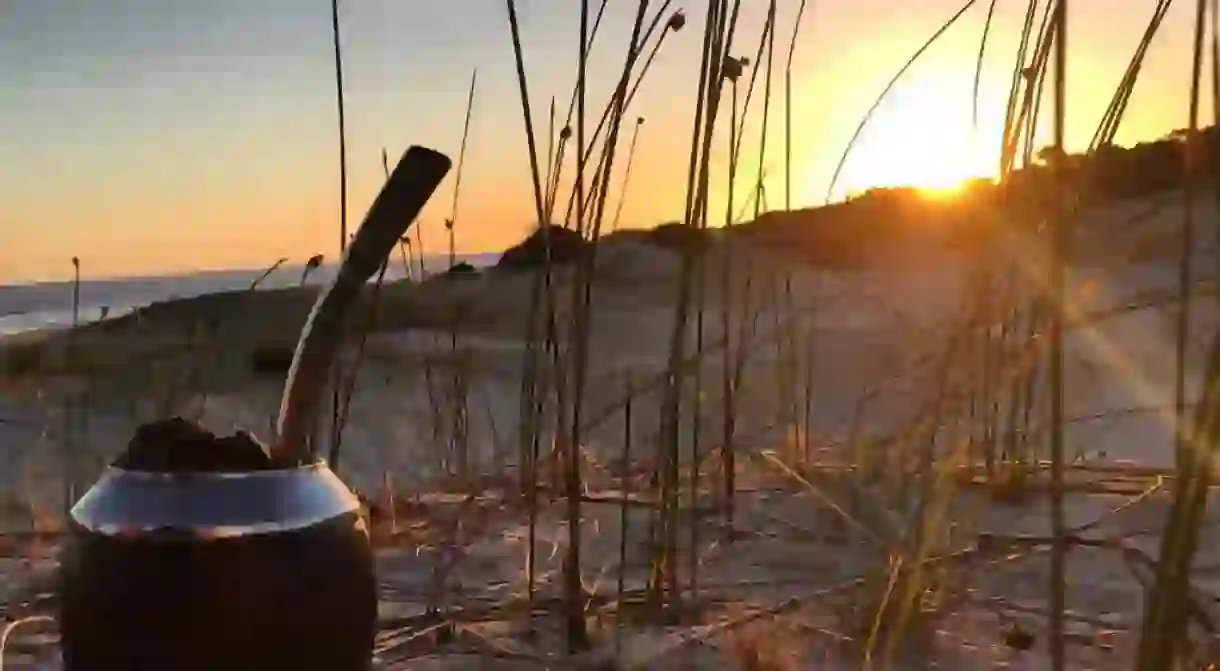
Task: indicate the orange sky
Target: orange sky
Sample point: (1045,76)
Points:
(150,137)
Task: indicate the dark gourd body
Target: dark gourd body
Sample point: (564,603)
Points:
(268,569)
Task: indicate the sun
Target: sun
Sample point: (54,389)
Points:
(946,192)
(921,136)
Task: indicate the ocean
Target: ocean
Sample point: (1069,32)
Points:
(43,305)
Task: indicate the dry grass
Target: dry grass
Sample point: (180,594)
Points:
(893,505)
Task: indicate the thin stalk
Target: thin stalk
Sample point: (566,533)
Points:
(1214,24)
(671,388)
(1018,77)
(529,486)
(577,635)
(1022,115)
(1185,262)
(354,376)
(601,159)
(696,427)
(988,347)
(1031,110)
(729,419)
(834,180)
(1058,605)
(582,302)
(1022,391)
(1214,9)
(1041,67)
(1008,324)
(989,396)
(336,374)
(807,428)
(732,382)
(523,85)
(334,9)
(796,31)
(404,249)
(623,519)
(350,387)
(783,378)
(75,293)
(407,249)
(69,407)
(1104,136)
(674,24)
(691,264)
(552,192)
(807,360)
(1015,394)
(697,412)
(696,458)
(266,273)
(554,178)
(1164,630)
(527,426)
(457,442)
(588,47)
(419,242)
(672,413)
(550,153)
(978,68)
(457,184)
(1036,317)
(929,509)
(404,243)
(618,210)
(745,107)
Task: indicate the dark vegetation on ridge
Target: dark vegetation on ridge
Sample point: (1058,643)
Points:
(566,246)
(844,234)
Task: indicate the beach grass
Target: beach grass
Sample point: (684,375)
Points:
(569,464)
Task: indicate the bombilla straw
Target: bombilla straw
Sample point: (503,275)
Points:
(418,173)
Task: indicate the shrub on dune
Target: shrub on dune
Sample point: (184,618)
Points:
(566,246)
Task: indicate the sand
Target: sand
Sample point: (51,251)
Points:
(877,335)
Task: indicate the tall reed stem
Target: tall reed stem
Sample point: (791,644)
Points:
(1058,605)
(336,373)
(451,223)
(536,293)
(1163,630)
(622,198)
(663,571)
(834,179)
(577,636)
(808,340)
(70,408)
(625,474)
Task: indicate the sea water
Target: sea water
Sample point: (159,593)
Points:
(43,305)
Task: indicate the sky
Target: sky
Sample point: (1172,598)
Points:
(156,136)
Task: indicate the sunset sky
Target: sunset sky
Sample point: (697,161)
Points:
(150,136)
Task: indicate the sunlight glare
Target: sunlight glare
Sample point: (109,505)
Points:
(922,137)
(944,192)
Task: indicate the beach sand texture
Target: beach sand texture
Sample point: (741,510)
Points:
(878,335)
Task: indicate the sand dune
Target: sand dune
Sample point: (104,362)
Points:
(878,336)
